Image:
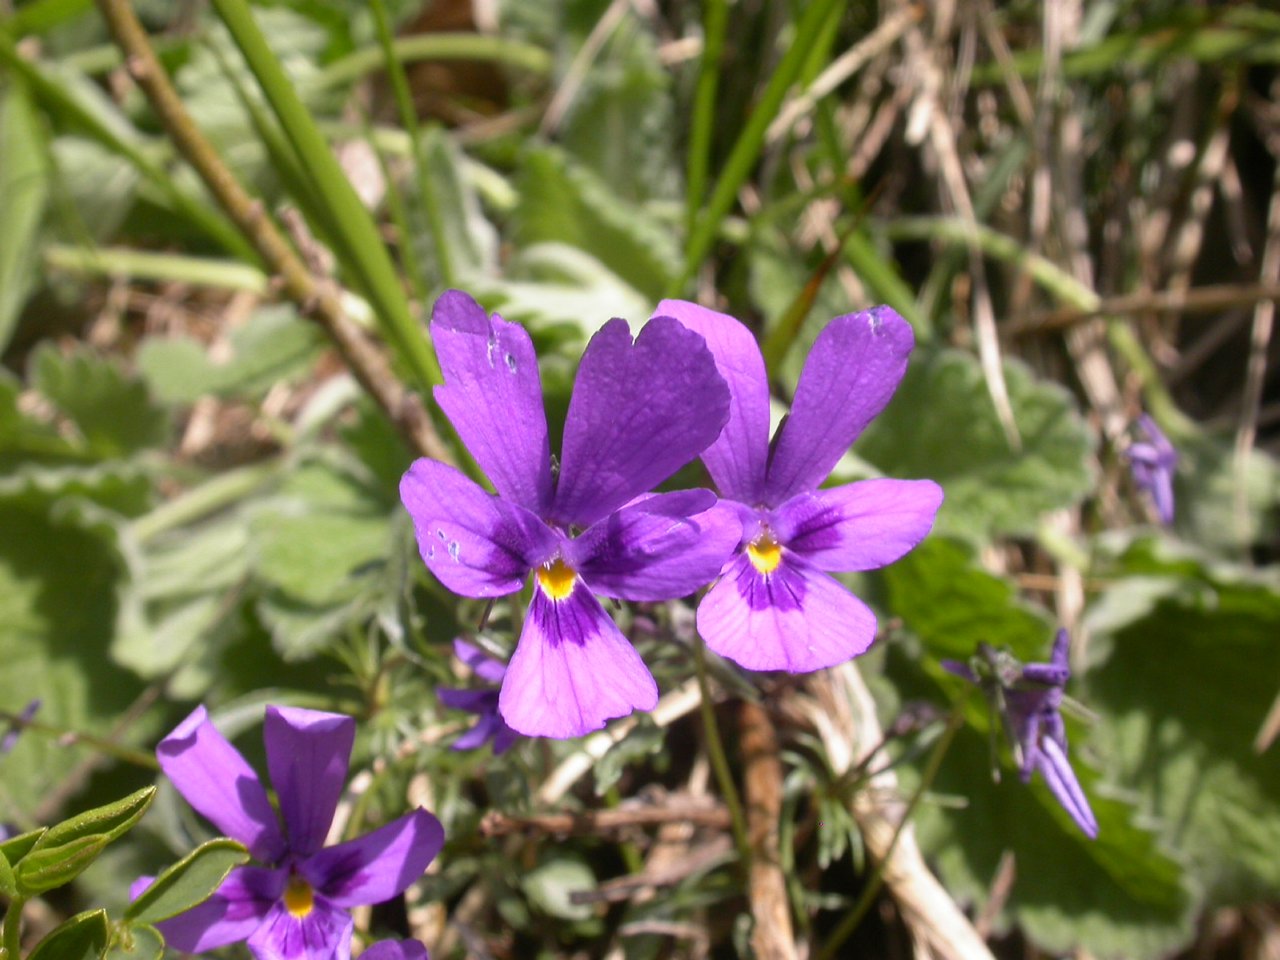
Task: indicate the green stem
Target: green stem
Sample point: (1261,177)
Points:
(850,923)
(13,927)
(719,761)
(216,494)
(704,109)
(159,267)
(436,46)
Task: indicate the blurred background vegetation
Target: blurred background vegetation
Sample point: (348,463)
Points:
(208,395)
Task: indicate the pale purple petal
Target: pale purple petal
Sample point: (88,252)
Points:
(859,526)
(482,664)
(323,934)
(307,756)
(855,365)
(962,670)
(1057,671)
(379,865)
(492,395)
(233,913)
(572,670)
(476,544)
(658,548)
(396,950)
(217,781)
(638,413)
(1065,787)
(736,461)
(795,618)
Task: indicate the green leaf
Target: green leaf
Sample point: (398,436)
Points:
(15,848)
(190,881)
(83,937)
(112,412)
(109,821)
(991,488)
(24,192)
(8,883)
(549,886)
(136,942)
(46,869)
(472,241)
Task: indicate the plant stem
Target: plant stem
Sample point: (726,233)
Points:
(719,762)
(436,46)
(13,927)
(704,109)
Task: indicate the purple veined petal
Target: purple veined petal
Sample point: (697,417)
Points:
(323,934)
(218,782)
(858,526)
(377,866)
(476,544)
(492,395)
(572,670)
(481,663)
(658,548)
(1065,787)
(396,950)
(233,913)
(795,618)
(638,413)
(853,369)
(736,461)
(307,756)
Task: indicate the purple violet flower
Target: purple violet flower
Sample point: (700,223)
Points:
(490,725)
(1153,462)
(296,907)
(774,606)
(18,724)
(1029,698)
(639,411)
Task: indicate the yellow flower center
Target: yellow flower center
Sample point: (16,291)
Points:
(298,896)
(764,553)
(556,579)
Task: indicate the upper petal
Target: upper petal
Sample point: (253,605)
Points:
(233,913)
(219,783)
(572,670)
(859,526)
(736,461)
(379,865)
(477,544)
(307,756)
(638,413)
(795,618)
(855,365)
(492,395)
(659,547)
(323,934)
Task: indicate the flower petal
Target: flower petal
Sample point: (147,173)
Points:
(217,781)
(736,461)
(379,865)
(485,666)
(323,934)
(638,413)
(476,544)
(307,756)
(855,365)
(658,548)
(396,950)
(572,670)
(492,395)
(859,526)
(233,913)
(795,618)
(1065,787)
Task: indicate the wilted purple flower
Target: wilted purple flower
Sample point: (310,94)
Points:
(774,606)
(638,412)
(1153,462)
(490,725)
(1029,698)
(296,906)
(18,724)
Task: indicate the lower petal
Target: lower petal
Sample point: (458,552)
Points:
(795,618)
(572,670)
(233,913)
(323,934)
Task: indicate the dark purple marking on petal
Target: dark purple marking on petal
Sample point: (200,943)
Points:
(377,866)
(638,413)
(572,670)
(1057,772)
(323,934)
(659,547)
(858,526)
(307,756)
(492,395)
(795,618)
(853,369)
(476,544)
(219,783)
(736,461)
(233,913)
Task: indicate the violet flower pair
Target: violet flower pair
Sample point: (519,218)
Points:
(296,905)
(692,383)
